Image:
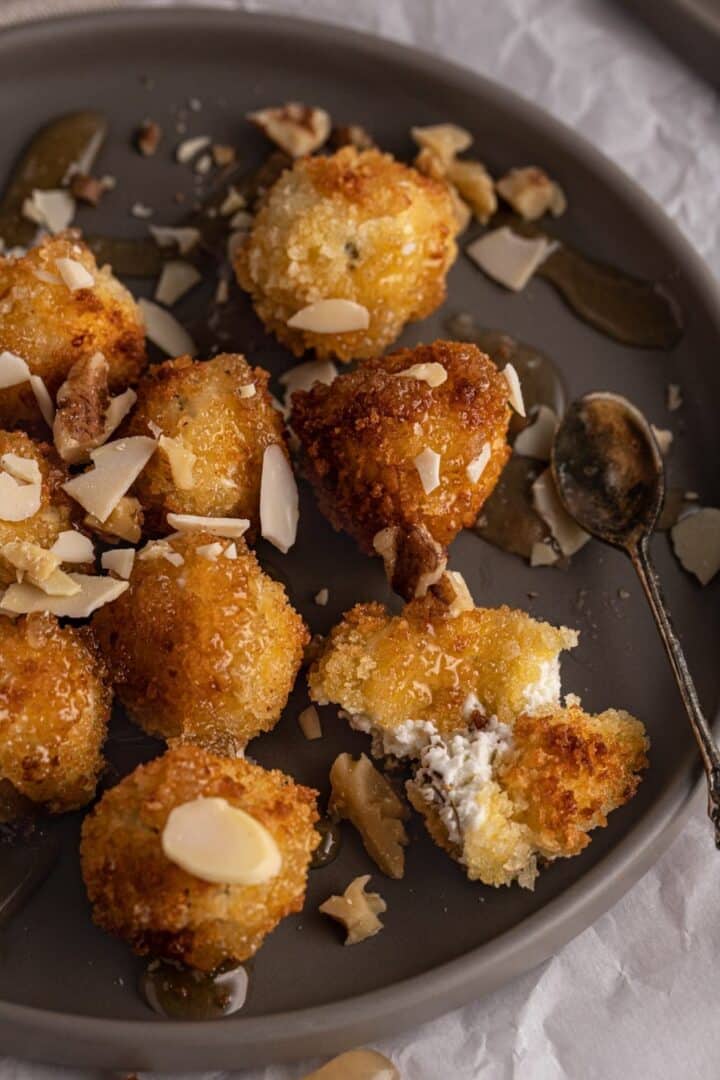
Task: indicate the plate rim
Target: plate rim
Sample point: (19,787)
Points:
(76,1039)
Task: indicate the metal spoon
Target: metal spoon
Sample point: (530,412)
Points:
(610,478)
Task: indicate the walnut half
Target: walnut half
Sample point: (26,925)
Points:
(363,796)
(296,128)
(413,559)
(357,910)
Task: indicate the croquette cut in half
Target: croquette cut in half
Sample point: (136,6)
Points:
(51,326)
(203,644)
(355,226)
(471,697)
(54,709)
(215,419)
(404,451)
(159,908)
(56,511)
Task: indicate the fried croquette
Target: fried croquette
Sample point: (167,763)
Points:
(54,709)
(56,511)
(138,894)
(202,645)
(405,678)
(356,226)
(500,798)
(364,438)
(218,412)
(51,326)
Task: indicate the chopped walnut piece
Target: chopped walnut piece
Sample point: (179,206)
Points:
(82,405)
(443,140)
(87,189)
(531,193)
(351,135)
(413,559)
(296,128)
(125,521)
(148,137)
(430,164)
(452,590)
(364,797)
(222,154)
(357,910)
(475,186)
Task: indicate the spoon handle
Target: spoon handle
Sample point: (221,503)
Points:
(640,555)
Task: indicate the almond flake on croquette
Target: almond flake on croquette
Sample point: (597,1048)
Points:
(115,468)
(94,592)
(332,316)
(279,511)
(221,526)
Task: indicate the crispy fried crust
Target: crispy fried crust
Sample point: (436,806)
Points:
(569,770)
(564,774)
(207,649)
(54,708)
(57,510)
(422,664)
(52,327)
(361,435)
(158,908)
(356,226)
(198,403)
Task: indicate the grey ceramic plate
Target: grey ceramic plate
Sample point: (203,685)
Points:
(66,990)
(691,28)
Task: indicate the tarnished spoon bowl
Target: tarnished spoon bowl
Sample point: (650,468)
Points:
(610,477)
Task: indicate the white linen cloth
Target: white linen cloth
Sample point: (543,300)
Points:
(634,996)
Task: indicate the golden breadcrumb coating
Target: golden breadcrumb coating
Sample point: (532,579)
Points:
(423,665)
(357,226)
(560,777)
(54,709)
(362,433)
(57,510)
(207,649)
(51,327)
(199,404)
(138,894)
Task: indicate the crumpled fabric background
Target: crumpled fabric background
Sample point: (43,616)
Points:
(636,994)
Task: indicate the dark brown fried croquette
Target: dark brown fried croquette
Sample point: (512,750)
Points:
(138,894)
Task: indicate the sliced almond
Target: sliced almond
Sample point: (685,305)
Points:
(309,721)
(233,528)
(536,440)
(186,237)
(21,468)
(211,552)
(433,374)
(304,376)
(53,209)
(165,331)
(116,466)
(478,464)
(543,554)
(321,597)
(190,148)
(73,547)
(427,464)
(176,279)
(45,402)
(124,523)
(94,592)
(181,461)
(18,501)
(247,391)
(567,533)
(13,370)
(508,258)
(279,511)
(217,842)
(296,128)
(230,552)
(141,210)
(74,274)
(696,541)
(515,395)
(233,201)
(332,316)
(663,438)
(30,560)
(119,560)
